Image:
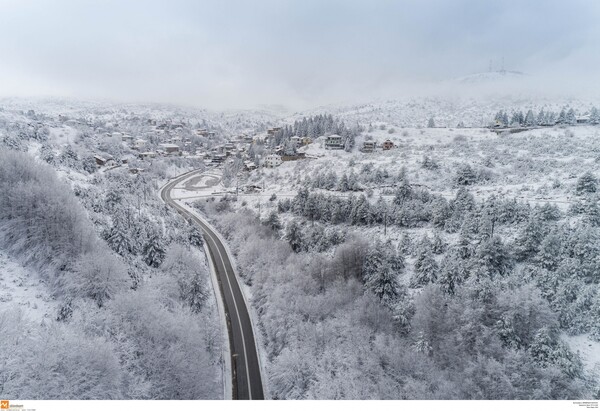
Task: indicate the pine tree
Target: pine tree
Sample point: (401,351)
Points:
(562,117)
(405,246)
(343,185)
(395,257)
(294,235)
(154,251)
(194,236)
(273,221)
(353,181)
(467,238)
(541,118)
(360,214)
(493,257)
(587,183)
(550,253)
(529,240)
(594,116)
(486,226)
(118,240)
(373,261)
(403,192)
(571,119)
(453,272)
(465,175)
(330,180)
(438,246)
(381,270)
(431,123)
(530,119)
(194,292)
(426,268)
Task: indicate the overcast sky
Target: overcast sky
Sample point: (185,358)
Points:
(296,53)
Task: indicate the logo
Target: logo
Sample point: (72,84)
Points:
(4,404)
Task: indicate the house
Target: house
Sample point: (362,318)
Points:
(139,143)
(251,188)
(273,130)
(369,146)
(334,142)
(306,141)
(170,148)
(218,158)
(205,133)
(249,165)
(293,157)
(583,119)
(387,145)
(273,160)
(127,158)
(100,160)
(147,154)
(296,141)
(125,138)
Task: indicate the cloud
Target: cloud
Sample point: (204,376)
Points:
(239,53)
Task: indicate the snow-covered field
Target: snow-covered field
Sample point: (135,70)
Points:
(21,288)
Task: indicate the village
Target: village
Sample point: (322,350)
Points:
(179,140)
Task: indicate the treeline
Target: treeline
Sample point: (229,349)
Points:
(543,118)
(557,257)
(368,175)
(317,126)
(410,207)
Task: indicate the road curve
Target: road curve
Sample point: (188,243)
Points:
(245,366)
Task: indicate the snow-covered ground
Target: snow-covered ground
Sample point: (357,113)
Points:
(22,288)
(589,351)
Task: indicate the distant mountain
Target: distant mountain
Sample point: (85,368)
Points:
(489,77)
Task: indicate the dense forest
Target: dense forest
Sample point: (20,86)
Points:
(472,309)
(135,318)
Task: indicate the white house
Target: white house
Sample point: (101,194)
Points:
(170,148)
(334,142)
(139,143)
(273,160)
(369,146)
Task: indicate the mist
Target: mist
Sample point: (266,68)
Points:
(235,54)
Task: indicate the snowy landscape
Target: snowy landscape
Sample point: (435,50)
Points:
(330,200)
(452,263)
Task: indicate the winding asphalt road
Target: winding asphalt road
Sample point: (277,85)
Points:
(245,366)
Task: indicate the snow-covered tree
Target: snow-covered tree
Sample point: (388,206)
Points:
(154,251)
(465,175)
(587,183)
(426,268)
